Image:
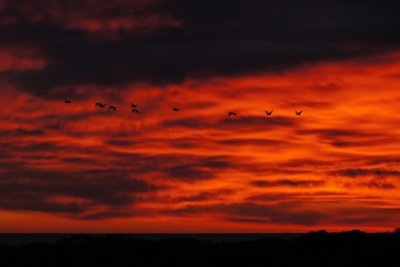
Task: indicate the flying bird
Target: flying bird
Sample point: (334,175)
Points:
(67,101)
(298,113)
(231,114)
(100,105)
(269,113)
(133,105)
(175,109)
(135,110)
(112,108)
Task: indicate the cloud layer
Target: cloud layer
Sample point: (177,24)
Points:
(76,167)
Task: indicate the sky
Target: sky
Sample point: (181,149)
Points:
(80,168)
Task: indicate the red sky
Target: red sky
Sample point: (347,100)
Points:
(77,168)
(334,167)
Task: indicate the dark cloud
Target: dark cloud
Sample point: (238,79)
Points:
(364,142)
(88,16)
(350,138)
(354,173)
(197,170)
(198,197)
(378,185)
(283,213)
(204,196)
(92,182)
(366,216)
(115,213)
(310,196)
(270,197)
(378,160)
(289,183)
(169,41)
(188,172)
(120,142)
(375,185)
(335,133)
(43,146)
(188,123)
(305,163)
(258,121)
(290,212)
(306,218)
(168,167)
(248,123)
(73,193)
(20,132)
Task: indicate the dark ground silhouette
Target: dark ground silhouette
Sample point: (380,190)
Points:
(323,249)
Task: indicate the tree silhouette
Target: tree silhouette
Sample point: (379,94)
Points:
(354,248)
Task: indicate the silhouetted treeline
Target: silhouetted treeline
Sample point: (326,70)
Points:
(321,249)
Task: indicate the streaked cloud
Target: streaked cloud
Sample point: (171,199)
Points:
(333,167)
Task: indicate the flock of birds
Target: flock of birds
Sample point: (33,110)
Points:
(134,110)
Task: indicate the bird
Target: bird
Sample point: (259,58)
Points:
(269,113)
(175,109)
(67,101)
(112,108)
(135,110)
(133,105)
(231,114)
(298,113)
(100,105)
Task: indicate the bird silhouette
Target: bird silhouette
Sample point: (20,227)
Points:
(231,114)
(67,101)
(135,110)
(100,105)
(112,108)
(269,113)
(175,109)
(298,113)
(133,105)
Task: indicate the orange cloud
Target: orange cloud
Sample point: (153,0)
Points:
(333,167)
